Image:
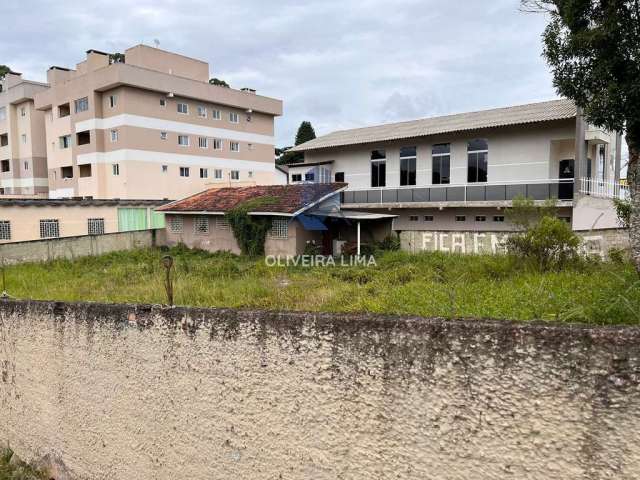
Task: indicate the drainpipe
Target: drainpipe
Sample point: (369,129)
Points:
(580,153)
(358,230)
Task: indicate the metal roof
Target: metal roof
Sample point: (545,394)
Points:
(498,117)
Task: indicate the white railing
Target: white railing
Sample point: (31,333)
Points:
(603,189)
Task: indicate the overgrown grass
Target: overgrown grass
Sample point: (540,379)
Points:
(12,468)
(428,284)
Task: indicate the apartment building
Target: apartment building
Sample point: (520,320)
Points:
(459,172)
(23,164)
(149,125)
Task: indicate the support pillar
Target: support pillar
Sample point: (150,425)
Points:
(358,230)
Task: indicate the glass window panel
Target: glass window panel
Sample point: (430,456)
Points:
(441,148)
(408,151)
(378,155)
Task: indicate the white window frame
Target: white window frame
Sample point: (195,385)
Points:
(234,117)
(216,114)
(176,224)
(222,224)
(218,144)
(180,137)
(201,110)
(23,137)
(65,142)
(234,174)
(217,174)
(203,142)
(115,169)
(23,112)
(163,135)
(49,228)
(81,105)
(163,103)
(114,135)
(201,225)
(5,230)
(165,168)
(95,226)
(182,111)
(279,228)
(235,149)
(185,172)
(204,172)
(113,101)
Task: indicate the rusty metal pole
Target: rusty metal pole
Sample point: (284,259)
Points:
(167,263)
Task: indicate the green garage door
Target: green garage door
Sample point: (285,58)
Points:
(132,219)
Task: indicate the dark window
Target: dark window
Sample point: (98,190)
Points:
(85,170)
(477,154)
(378,174)
(309,177)
(64,110)
(407,166)
(428,218)
(296,177)
(378,155)
(339,177)
(481,218)
(67,172)
(441,164)
(6,165)
(413,218)
(204,173)
(184,171)
(565,219)
(461,218)
(4,140)
(83,138)
(498,218)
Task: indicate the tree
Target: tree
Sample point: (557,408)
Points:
(117,58)
(593,50)
(3,72)
(305,133)
(218,82)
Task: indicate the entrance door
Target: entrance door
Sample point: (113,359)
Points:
(565,189)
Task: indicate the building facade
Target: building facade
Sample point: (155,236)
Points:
(23,163)
(149,125)
(459,172)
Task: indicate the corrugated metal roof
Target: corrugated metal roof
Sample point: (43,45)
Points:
(498,117)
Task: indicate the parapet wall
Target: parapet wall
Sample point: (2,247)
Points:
(122,392)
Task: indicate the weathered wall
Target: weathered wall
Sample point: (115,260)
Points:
(73,247)
(122,392)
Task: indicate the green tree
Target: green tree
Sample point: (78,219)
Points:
(218,82)
(593,50)
(3,72)
(305,133)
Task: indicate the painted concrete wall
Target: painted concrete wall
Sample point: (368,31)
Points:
(125,392)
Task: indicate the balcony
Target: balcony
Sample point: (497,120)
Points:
(485,194)
(604,189)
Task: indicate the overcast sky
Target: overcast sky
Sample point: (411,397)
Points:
(336,63)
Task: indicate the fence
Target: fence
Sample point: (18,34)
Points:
(603,189)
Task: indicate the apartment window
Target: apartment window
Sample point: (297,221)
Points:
(234,146)
(378,168)
(3,113)
(413,218)
(176,224)
(216,114)
(5,166)
(23,137)
(163,135)
(428,218)
(23,112)
(235,174)
(183,108)
(184,171)
(163,102)
(4,140)
(165,168)
(339,177)
(461,218)
(249,146)
(66,172)
(441,164)
(217,173)
(183,140)
(250,174)
(477,154)
(114,136)
(296,177)
(498,218)
(5,230)
(204,173)
(203,142)
(222,224)
(201,225)
(217,144)
(81,105)
(202,111)
(113,101)
(26,165)
(65,141)
(407,166)
(115,169)
(95,226)
(309,177)
(49,228)
(64,110)
(481,218)
(85,170)
(279,228)
(234,117)
(83,138)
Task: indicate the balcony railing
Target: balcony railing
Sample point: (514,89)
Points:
(603,189)
(561,189)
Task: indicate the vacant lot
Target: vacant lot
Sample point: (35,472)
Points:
(428,284)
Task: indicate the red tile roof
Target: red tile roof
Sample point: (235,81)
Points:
(281,198)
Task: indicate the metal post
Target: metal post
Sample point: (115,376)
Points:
(358,238)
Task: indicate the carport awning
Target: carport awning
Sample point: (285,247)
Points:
(352,215)
(311,223)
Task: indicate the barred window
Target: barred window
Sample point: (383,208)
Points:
(203,142)
(175,224)
(279,228)
(5,230)
(95,226)
(49,228)
(82,104)
(222,224)
(201,225)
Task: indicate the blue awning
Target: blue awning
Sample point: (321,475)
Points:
(311,223)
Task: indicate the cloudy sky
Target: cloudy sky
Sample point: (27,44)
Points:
(337,63)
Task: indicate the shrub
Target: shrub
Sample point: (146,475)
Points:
(390,243)
(623,210)
(12,468)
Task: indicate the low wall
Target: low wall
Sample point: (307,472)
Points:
(122,392)
(595,242)
(85,245)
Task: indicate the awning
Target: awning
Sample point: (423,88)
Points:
(352,215)
(311,223)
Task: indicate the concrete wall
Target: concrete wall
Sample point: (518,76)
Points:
(72,247)
(125,392)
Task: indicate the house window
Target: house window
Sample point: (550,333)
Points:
(234,117)
(235,174)
(296,177)
(163,135)
(4,140)
(234,146)
(5,230)
(217,144)
(481,218)
(339,177)
(23,137)
(3,113)
(163,102)
(203,142)
(477,154)
(222,224)
(498,218)
(115,169)
(64,110)
(184,171)
(49,228)
(83,138)
(201,225)
(217,173)
(176,224)
(378,168)
(202,111)
(82,104)
(165,168)
(6,166)
(65,142)
(441,164)
(461,218)
(309,177)
(95,226)
(216,114)
(23,112)
(113,101)
(204,173)
(428,218)
(279,228)
(26,165)
(85,170)
(114,136)
(66,172)
(183,108)
(183,140)
(413,218)
(407,166)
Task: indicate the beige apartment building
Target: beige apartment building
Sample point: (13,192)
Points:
(151,126)
(23,163)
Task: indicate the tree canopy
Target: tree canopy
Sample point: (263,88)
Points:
(218,82)
(3,72)
(305,133)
